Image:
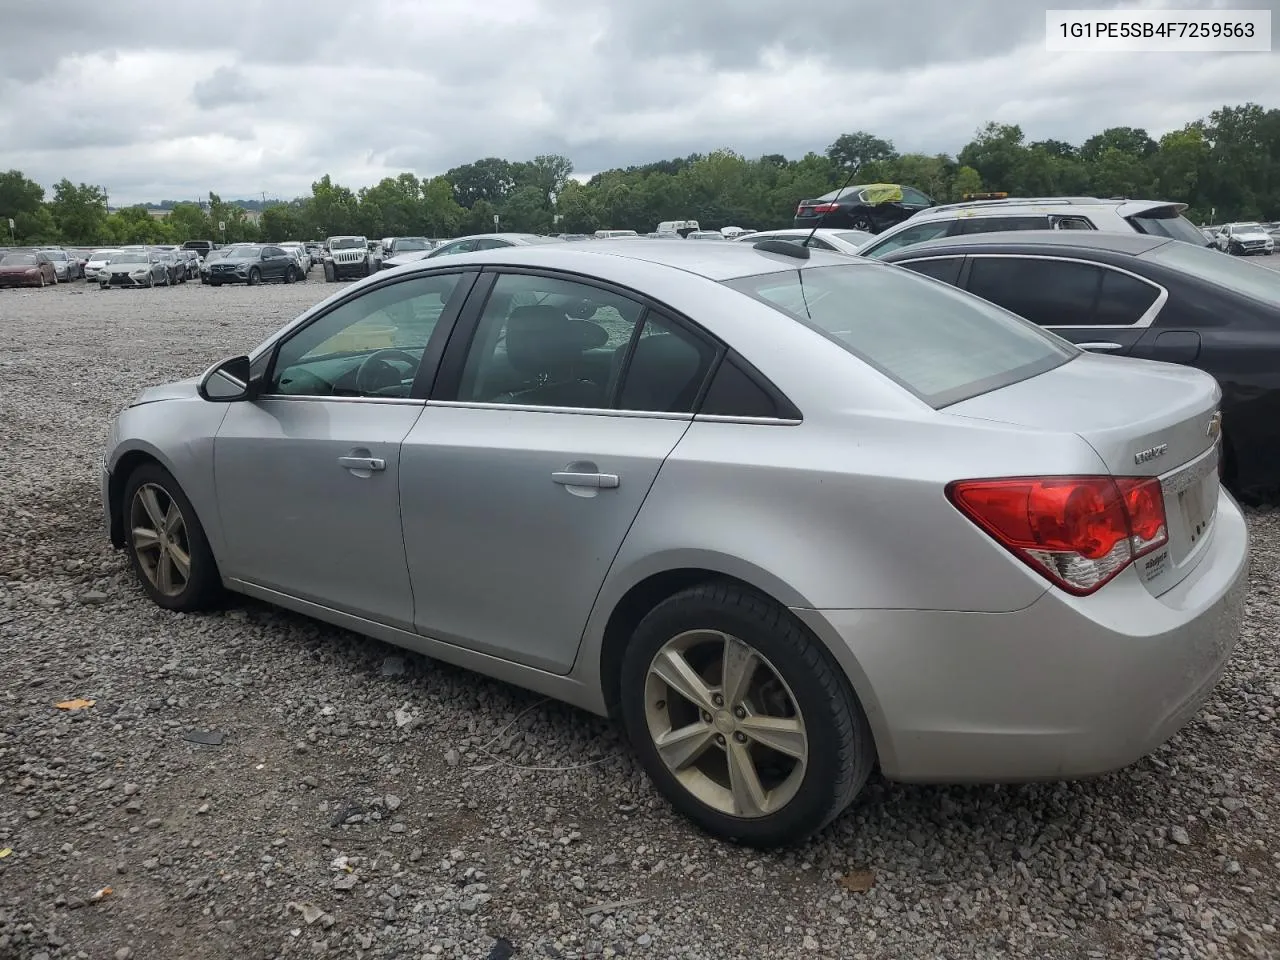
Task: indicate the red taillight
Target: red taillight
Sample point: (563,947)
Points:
(1079,532)
(826,207)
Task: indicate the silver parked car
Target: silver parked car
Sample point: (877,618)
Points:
(788,514)
(65,266)
(133,268)
(840,241)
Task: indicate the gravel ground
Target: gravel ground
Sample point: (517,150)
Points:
(364,802)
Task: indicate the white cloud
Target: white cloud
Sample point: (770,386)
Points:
(272,99)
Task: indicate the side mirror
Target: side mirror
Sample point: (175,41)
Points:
(227,382)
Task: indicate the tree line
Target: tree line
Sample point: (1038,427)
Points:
(1225,167)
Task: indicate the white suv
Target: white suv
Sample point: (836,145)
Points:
(1156,217)
(347,256)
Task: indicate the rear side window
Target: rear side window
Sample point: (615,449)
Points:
(970,225)
(937,342)
(1073,223)
(946,269)
(734,393)
(1123,300)
(1051,293)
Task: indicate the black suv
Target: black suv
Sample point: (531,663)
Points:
(871,207)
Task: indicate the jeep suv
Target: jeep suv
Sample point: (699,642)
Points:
(1156,217)
(347,257)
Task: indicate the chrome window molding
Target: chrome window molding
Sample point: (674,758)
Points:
(1144,321)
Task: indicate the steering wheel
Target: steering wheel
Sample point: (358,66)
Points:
(377,367)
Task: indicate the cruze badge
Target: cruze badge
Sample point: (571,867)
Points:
(1151,453)
(1215,426)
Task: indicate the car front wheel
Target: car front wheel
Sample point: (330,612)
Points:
(742,719)
(168,549)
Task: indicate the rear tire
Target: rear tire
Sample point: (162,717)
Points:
(799,684)
(201,586)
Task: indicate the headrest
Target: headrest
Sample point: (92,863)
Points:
(541,338)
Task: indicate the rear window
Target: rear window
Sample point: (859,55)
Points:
(1167,222)
(941,344)
(1234,273)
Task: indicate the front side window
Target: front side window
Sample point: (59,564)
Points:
(369,346)
(543,341)
(937,342)
(908,236)
(1051,293)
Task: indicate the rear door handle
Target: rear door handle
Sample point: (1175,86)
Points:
(1100,345)
(599,480)
(362,463)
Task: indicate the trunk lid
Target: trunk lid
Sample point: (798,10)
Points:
(1144,419)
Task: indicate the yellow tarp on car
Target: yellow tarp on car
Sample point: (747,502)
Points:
(882,192)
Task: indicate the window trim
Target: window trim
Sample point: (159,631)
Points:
(1143,322)
(449,378)
(431,355)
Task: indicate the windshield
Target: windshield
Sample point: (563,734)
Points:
(1246,228)
(245,253)
(856,237)
(347,243)
(941,344)
(19,260)
(400,246)
(103,254)
(128,256)
(1240,275)
(1167,222)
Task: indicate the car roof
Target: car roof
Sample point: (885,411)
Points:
(714,261)
(799,231)
(1133,244)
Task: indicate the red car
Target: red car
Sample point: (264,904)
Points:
(26,270)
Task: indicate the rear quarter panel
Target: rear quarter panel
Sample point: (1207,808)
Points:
(849,513)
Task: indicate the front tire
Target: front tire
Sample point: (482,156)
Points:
(255,277)
(168,549)
(742,719)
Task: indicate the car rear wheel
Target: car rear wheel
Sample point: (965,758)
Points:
(862,222)
(741,718)
(168,549)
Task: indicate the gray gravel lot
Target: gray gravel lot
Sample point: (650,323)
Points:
(365,802)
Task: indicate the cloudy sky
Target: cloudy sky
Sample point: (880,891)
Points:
(162,101)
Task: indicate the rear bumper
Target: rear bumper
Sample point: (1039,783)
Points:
(1067,687)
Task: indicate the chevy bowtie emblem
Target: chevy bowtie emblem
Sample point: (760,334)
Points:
(1215,426)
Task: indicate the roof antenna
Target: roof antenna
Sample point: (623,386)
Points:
(800,251)
(853,172)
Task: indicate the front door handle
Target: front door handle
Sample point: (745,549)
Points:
(1100,345)
(362,463)
(599,480)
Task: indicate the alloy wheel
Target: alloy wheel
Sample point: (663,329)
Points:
(160,540)
(726,724)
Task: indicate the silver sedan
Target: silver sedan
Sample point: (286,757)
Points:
(825,238)
(787,514)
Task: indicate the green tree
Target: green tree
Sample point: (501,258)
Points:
(187,221)
(854,150)
(18,196)
(278,223)
(490,179)
(35,226)
(441,214)
(332,210)
(79,211)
